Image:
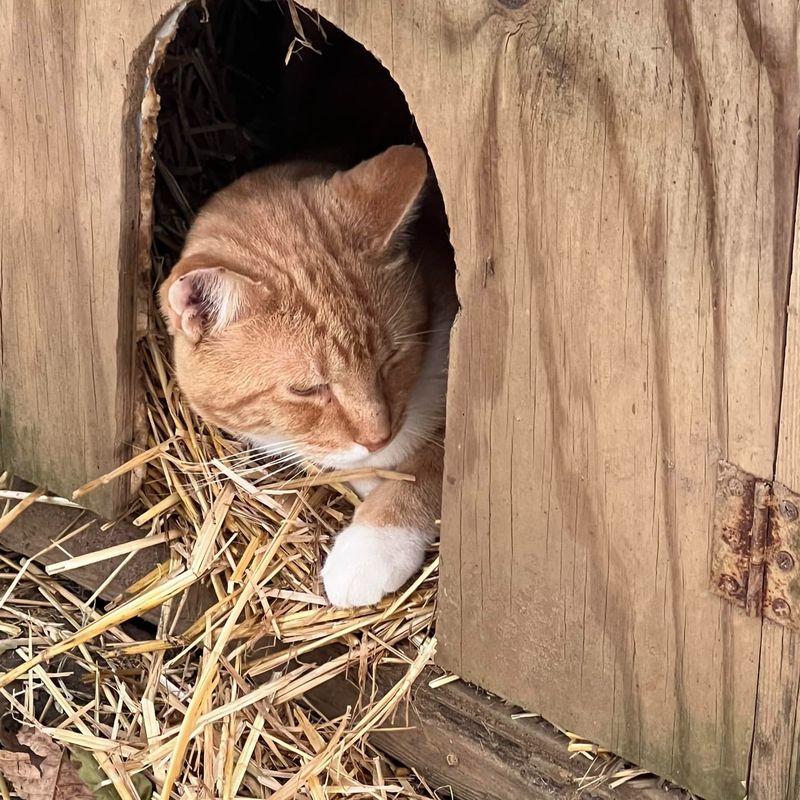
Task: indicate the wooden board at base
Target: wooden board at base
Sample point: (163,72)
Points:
(33,533)
(466,744)
(619,181)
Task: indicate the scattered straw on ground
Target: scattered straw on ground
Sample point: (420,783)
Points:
(217,710)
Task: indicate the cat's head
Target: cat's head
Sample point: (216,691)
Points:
(297,314)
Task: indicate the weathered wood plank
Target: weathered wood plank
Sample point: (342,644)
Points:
(40,525)
(775,766)
(619,183)
(70,95)
(620,186)
(464,741)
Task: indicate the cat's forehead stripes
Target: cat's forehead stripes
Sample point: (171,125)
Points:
(347,342)
(330,300)
(323,289)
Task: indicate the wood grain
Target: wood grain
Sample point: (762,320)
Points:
(463,741)
(71,88)
(620,185)
(774,770)
(619,182)
(34,531)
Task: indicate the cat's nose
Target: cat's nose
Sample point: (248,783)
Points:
(372,444)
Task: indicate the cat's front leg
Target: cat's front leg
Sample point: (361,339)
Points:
(385,544)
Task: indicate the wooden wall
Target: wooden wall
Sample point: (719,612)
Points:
(620,183)
(775,767)
(69,98)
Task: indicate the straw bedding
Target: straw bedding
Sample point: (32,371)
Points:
(218,710)
(228,692)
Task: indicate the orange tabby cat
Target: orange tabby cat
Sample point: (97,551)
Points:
(311,315)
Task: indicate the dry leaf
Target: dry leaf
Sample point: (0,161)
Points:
(89,770)
(40,770)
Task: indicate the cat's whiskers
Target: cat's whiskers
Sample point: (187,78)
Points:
(270,462)
(438,442)
(268,466)
(260,450)
(419,418)
(260,461)
(404,337)
(250,464)
(218,479)
(311,472)
(302,468)
(271,470)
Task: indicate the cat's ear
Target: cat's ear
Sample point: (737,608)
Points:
(384,190)
(201,297)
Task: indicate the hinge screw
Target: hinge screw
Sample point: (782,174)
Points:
(781,608)
(735,487)
(728,584)
(784,561)
(788,509)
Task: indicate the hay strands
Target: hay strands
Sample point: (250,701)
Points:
(215,703)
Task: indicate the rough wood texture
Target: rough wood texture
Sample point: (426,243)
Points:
(620,186)
(774,771)
(36,529)
(71,85)
(463,740)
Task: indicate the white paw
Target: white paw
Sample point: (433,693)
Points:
(367,563)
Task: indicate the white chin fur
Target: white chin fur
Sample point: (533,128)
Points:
(367,563)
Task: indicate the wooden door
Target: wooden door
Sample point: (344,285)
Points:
(775,767)
(620,183)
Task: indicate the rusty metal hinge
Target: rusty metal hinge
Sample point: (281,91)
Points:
(755,562)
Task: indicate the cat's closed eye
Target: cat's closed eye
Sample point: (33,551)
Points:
(309,391)
(391,360)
